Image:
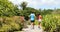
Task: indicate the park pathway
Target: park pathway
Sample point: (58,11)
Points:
(36,29)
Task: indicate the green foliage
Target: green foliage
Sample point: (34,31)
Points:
(48,11)
(51,22)
(10,24)
(7,8)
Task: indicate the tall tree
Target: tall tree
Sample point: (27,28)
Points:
(23,5)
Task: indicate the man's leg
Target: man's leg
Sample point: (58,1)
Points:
(32,25)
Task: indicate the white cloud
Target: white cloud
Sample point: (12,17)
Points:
(36,3)
(49,2)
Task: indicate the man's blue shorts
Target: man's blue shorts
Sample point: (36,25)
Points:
(32,20)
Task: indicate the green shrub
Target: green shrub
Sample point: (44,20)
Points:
(51,22)
(10,24)
(5,28)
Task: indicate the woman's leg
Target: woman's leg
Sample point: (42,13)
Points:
(39,25)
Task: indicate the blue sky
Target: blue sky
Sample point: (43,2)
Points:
(40,4)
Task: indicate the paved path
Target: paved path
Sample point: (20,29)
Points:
(36,29)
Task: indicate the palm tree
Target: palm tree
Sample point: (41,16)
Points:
(23,5)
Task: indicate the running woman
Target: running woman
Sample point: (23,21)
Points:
(39,17)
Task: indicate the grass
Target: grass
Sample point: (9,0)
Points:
(36,22)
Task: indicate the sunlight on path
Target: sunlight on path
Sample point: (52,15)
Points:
(36,29)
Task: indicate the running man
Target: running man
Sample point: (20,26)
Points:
(39,17)
(32,19)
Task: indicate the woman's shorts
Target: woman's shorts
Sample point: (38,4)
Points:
(39,20)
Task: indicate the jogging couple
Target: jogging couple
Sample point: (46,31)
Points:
(32,19)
